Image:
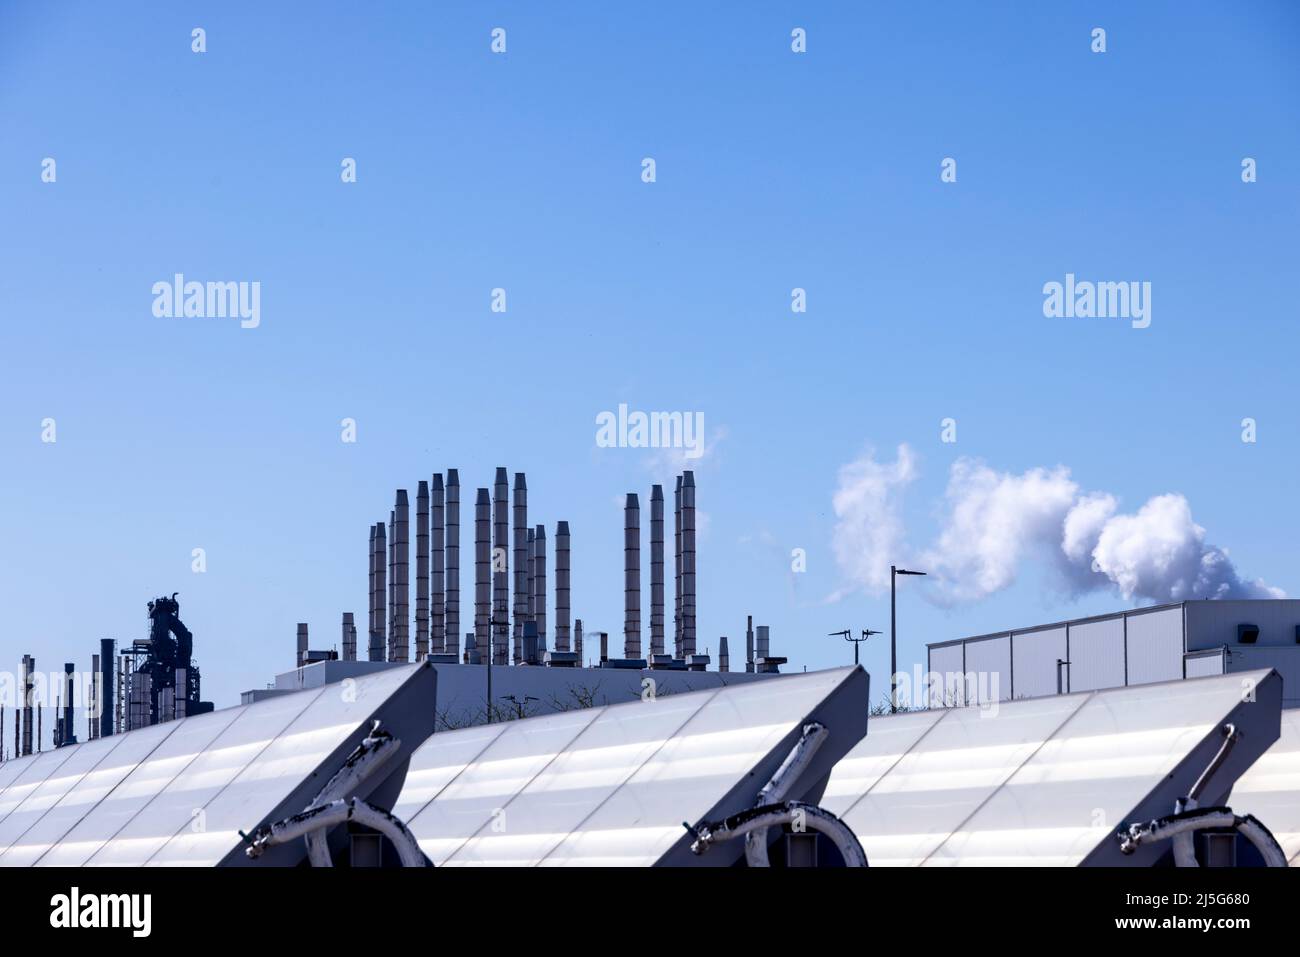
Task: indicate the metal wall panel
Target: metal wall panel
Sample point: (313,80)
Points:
(1203,666)
(948,690)
(1212,623)
(1096,655)
(988,670)
(1155,646)
(1285,661)
(1033,661)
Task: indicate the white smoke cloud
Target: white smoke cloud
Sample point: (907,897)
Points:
(868,531)
(994,521)
(994,518)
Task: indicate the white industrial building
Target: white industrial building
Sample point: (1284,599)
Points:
(1187,639)
(788,770)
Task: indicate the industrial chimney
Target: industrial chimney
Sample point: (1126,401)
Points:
(521,563)
(422,571)
(379,643)
(392,584)
(29,666)
(68,735)
(482,564)
(688,564)
(562,587)
(107,679)
(302,644)
(724,657)
(437,518)
(532,586)
(677,574)
(656,570)
(749,644)
(577,640)
(453,559)
(539,582)
(349,637)
(402,582)
(500,567)
(632,577)
(370,627)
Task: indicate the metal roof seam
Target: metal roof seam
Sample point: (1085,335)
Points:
(108,793)
(162,847)
(648,758)
(117,740)
(1003,783)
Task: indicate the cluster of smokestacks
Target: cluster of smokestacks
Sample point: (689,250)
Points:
(684,548)
(29,710)
(497,513)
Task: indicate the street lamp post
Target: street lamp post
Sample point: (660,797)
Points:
(894,571)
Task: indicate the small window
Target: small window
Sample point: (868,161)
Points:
(1247,634)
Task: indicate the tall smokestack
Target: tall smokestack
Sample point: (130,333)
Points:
(370,627)
(92,708)
(656,569)
(539,582)
(677,575)
(688,563)
(68,736)
(402,584)
(724,657)
(577,640)
(379,643)
(532,585)
(604,646)
(29,665)
(453,560)
(561,586)
(349,637)
(392,585)
(437,520)
(422,571)
(521,563)
(632,577)
(501,567)
(302,644)
(108,686)
(749,644)
(482,564)
(764,648)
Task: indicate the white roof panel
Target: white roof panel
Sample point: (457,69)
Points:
(605,785)
(1038,781)
(179,792)
(1270,790)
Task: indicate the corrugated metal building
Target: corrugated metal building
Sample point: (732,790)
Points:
(1187,639)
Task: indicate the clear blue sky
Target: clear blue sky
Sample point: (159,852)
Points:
(522,170)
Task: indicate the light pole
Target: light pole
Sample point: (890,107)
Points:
(894,571)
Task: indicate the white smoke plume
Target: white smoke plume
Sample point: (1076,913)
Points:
(994,521)
(868,518)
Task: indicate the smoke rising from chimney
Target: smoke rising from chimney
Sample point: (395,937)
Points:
(992,522)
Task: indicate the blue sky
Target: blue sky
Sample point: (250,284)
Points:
(774,170)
